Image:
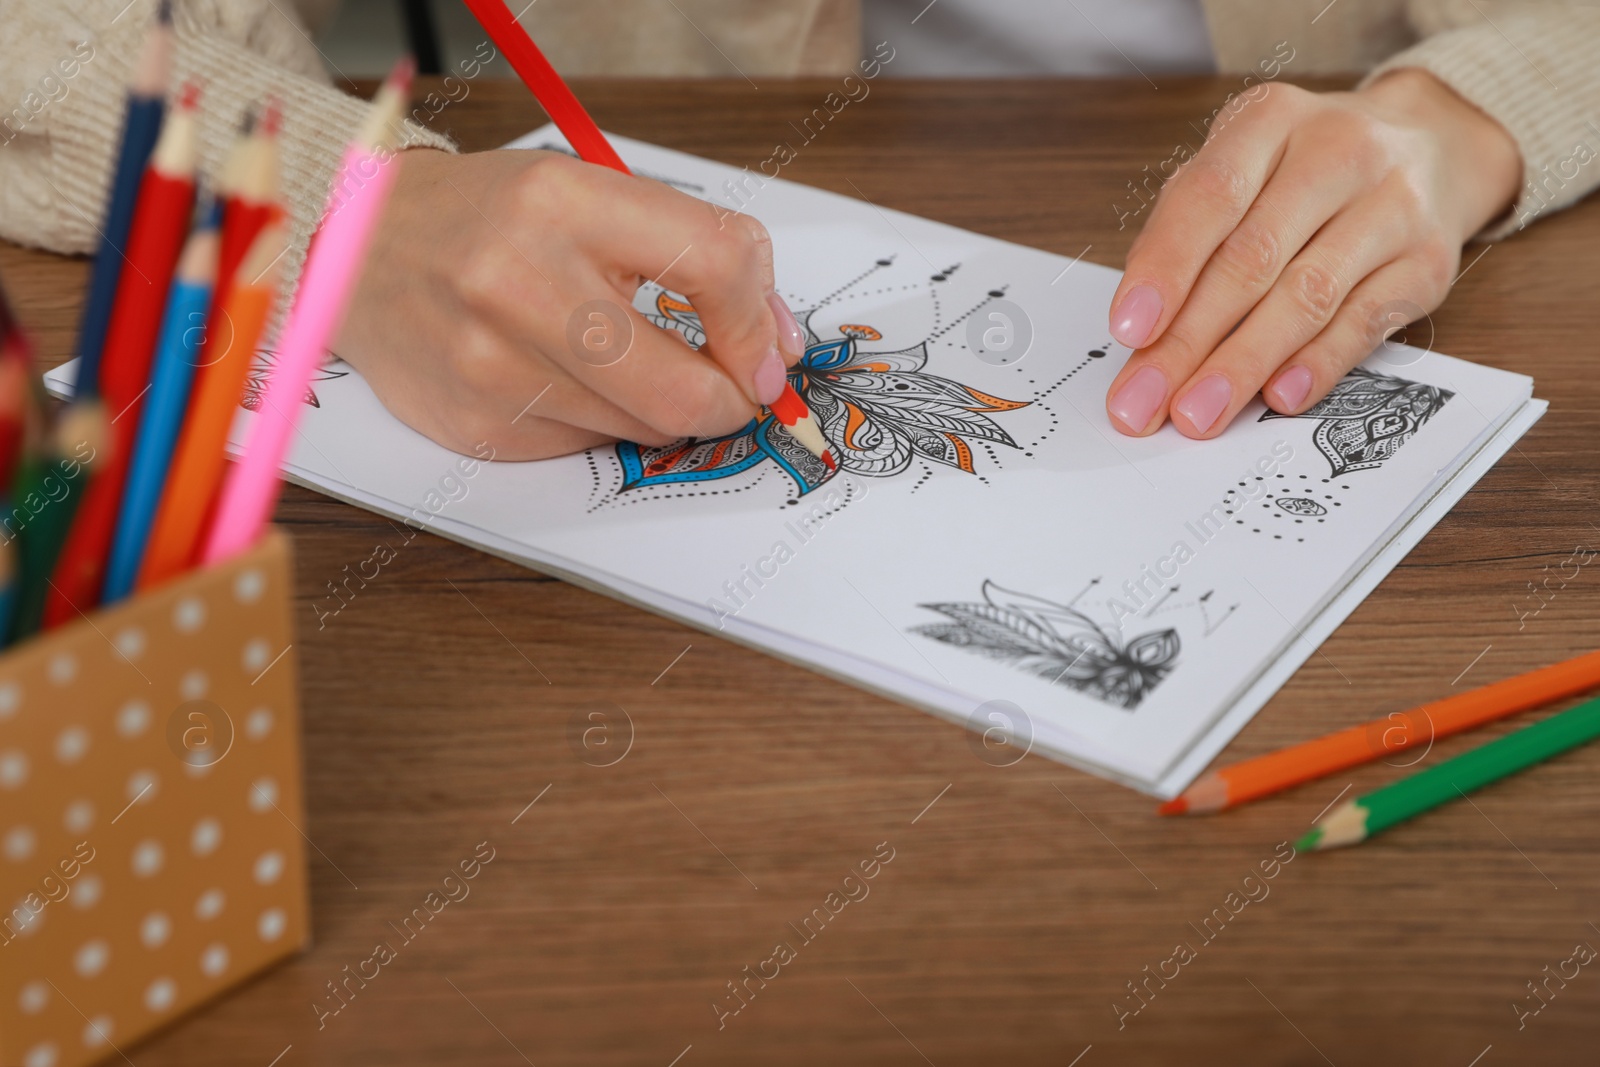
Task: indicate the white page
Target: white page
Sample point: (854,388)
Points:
(1148,610)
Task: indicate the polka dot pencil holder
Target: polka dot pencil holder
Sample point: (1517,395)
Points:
(150,811)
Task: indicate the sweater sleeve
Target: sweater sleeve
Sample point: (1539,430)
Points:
(1534,68)
(56,168)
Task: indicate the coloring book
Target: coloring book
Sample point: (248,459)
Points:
(990,548)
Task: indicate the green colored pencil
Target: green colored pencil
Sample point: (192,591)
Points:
(48,490)
(1358,819)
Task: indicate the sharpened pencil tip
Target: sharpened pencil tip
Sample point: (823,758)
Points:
(1311,842)
(164,13)
(402,73)
(271,120)
(1178,805)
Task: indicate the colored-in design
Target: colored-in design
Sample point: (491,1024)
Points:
(1057,643)
(1367,417)
(878,411)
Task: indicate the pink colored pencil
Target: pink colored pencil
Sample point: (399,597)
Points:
(360,188)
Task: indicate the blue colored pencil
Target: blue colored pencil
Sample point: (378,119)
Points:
(182,331)
(141,126)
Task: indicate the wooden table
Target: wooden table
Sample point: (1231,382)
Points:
(1020,901)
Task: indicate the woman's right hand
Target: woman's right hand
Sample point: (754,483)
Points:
(496,306)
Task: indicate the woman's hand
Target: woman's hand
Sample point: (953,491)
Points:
(1269,258)
(496,305)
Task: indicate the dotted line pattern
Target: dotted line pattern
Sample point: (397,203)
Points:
(853,282)
(1039,397)
(1269,504)
(993,294)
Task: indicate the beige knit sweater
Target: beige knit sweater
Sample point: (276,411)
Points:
(1534,65)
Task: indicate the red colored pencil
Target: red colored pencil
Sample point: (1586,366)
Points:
(17,396)
(160,226)
(545,84)
(13,411)
(249,191)
(591,145)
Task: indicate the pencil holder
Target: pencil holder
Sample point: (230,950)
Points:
(150,810)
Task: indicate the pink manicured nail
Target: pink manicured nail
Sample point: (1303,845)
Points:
(771,375)
(1207,400)
(1291,389)
(791,339)
(1136,403)
(1136,316)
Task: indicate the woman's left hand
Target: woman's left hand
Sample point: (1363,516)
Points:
(1270,258)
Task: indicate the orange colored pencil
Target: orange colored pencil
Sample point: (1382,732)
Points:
(1252,779)
(249,190)
(160,226)
(200,458)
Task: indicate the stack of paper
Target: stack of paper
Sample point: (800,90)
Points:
(991,550)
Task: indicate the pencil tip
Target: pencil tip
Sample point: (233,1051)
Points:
(1311,842)
(271,120)
(189,95)
(164,13)
(1178,805)
(401,74)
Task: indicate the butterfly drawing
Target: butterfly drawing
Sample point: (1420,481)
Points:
(255,384)
(878,411)
(1367,416)
(1057,643)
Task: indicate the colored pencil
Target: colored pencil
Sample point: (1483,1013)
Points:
(46,497)
(545,84)
(249,193)
(200,461)
(1356,820)
(791,410)
(586,139)
(8,585)
(141,126)
(21,416)
(181,331)
(360,189)
(19,396)
(13,415)
(160,223)
(1263,776)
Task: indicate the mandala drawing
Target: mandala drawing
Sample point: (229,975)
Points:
(878,410)
(1057,643)
(1367,417)
(255,383)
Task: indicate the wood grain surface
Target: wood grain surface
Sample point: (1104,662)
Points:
(1020,901)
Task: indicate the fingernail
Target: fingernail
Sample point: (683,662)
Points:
(1291,389)
(1136,316)
(791,339)
(770,377)
(1135,404)
(1207,400)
